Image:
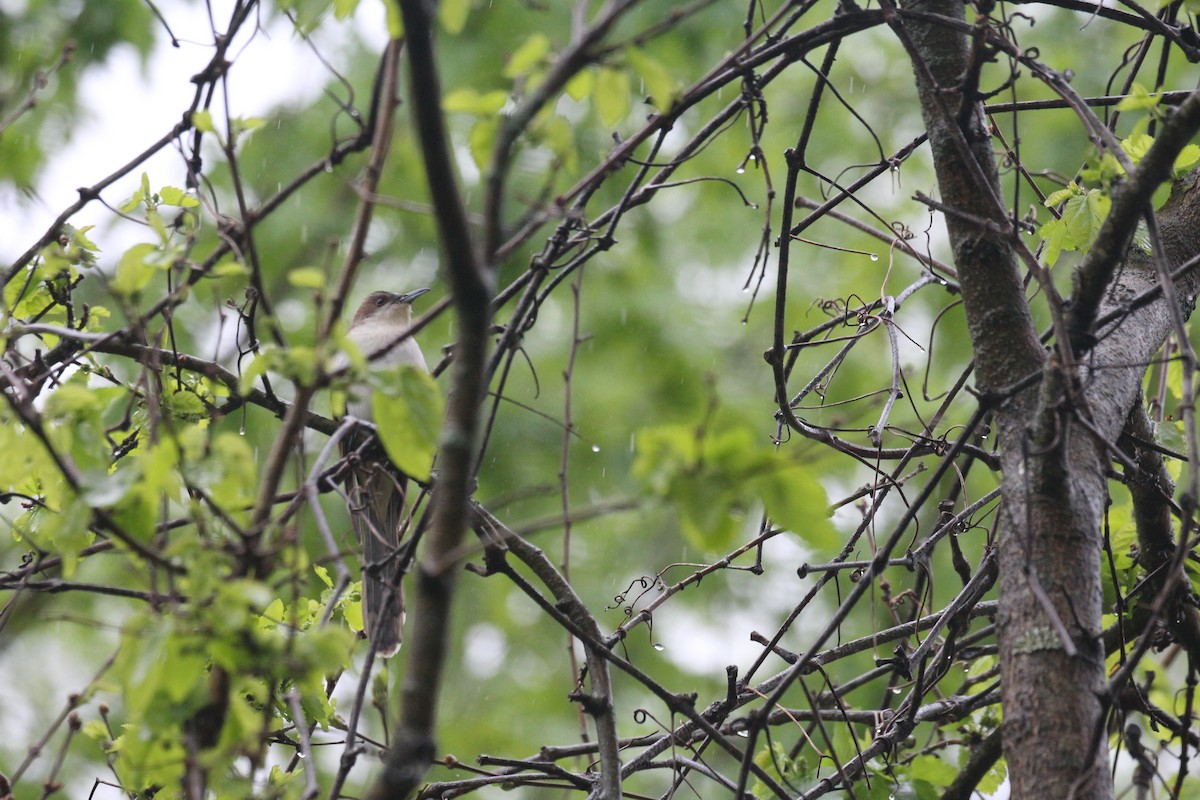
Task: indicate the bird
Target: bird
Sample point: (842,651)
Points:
(376,488)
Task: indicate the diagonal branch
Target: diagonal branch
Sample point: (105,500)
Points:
(570,62)
(1151,487)
(1130,200)
(599,703)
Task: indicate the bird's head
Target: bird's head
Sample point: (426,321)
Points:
(386,308)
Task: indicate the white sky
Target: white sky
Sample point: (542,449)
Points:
(126,106)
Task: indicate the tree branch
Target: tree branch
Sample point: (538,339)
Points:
(1130,200)
(413,744)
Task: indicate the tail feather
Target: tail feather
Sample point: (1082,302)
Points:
(378,518)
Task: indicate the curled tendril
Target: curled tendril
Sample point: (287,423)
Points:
(642,584)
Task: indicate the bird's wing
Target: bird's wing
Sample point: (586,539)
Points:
(377,494)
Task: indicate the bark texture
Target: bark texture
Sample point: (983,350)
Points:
(1055,435)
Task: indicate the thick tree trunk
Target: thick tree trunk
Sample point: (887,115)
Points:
(1051,659)
(1054,436)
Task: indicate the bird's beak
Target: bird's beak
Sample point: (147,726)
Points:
(413,295)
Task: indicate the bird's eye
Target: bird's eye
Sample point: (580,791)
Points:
(381,300)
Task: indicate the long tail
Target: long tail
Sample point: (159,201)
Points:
(378,516)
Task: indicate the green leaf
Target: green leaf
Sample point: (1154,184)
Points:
(924,790)
(1082,217)
(157,223)
(26,459)
(1188,157)
(344,8)
(1062,195)
(795,500)
(1122,535)
(697,473)
(452,14)
(95,730)
(280,777)
(1110,168)
(67,532)
(663,451)
(713,477)
(1175,379)
(1098,205)
(882,788)
(74,399)
(96,317)
(246,125)
(481,140)
(69,250)
(307,277)
(147,759)
(100,489)
(612,96)
(655,77)
(530,54)
(1139,99)
(227,469)
(933,770)
(272,615)
(407,407)
(990,783)
(229,267)
(135,269)
(352,609)
(580,86)
(1054,234)
(705,504)
(469,101)
(159,462)
(300,364)
(173,196)
(203,121)
(776,763)
(395,23)
(28,296)
(1136,145)
(142,195)
(558,134)
(184,402)
(79,236)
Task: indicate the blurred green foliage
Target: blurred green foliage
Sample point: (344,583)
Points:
(45,47)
